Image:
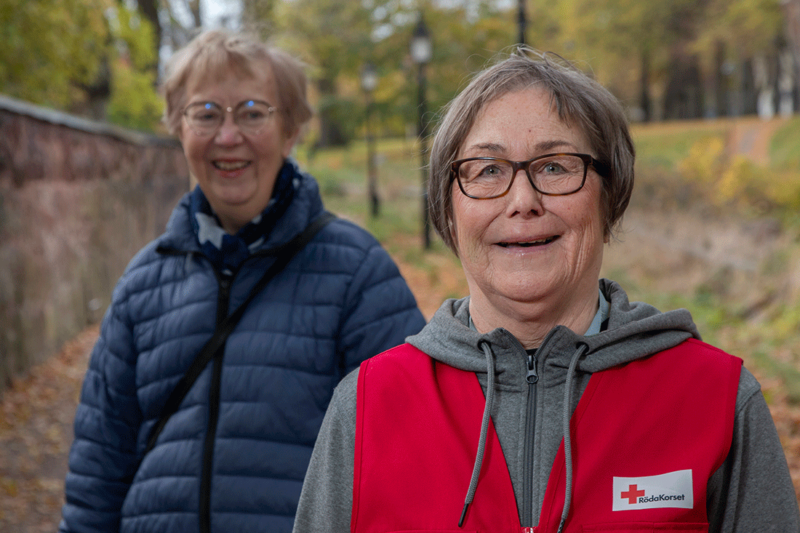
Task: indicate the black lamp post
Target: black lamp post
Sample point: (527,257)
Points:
(369,80)
(421,52)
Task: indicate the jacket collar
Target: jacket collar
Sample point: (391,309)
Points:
(180,236)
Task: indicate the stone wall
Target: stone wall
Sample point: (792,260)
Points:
(77,200)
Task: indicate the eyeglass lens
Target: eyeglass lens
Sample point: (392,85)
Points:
(487,178)
(206,117)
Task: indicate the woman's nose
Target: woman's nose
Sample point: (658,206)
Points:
(522,198)
(228,132)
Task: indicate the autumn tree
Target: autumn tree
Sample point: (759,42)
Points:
(737,37)
(90,57)
(337,38)
(134,101)
(52,52)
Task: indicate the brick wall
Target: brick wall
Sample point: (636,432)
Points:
(77,200)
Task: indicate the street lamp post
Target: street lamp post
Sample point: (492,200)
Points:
(421,52)
(369,80)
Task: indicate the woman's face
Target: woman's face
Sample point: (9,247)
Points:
(527,256)
(236,170)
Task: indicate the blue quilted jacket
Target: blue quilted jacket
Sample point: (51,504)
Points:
(238,448)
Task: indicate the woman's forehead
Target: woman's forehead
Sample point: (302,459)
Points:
(525,117)
(219,73)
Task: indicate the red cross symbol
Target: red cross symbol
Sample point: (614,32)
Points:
(632,494)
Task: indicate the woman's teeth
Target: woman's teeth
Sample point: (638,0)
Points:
(226,165)
(539,242)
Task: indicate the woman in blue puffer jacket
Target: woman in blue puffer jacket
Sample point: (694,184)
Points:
(233,454)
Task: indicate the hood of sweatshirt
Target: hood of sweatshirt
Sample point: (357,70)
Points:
(634,330)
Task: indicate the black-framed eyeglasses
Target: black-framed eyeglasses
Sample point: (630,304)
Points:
(205,118)
(484,178)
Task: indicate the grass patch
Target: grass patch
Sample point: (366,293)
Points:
(783,149)
(664,145)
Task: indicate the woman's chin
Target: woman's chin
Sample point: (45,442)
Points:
(234,194)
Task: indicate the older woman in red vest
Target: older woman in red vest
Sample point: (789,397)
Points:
(544,401)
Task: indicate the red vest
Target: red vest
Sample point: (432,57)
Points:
(646,436)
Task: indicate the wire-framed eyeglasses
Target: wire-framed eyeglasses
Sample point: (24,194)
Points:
(205,118)
(483,178)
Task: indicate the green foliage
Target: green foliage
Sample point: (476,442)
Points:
(50,49)
(54,52)
(134,102)
(134,37)
(747,26)
(337,38)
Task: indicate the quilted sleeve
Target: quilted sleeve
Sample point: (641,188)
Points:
(380,309)
(103,459)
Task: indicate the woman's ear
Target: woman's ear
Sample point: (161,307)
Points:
(451,227)
(289,142)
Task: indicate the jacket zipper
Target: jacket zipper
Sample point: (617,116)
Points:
(213,411)
(532,377)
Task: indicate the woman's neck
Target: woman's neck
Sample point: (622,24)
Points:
(530,322)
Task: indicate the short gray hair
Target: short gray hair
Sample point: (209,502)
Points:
(213,52)
(581,102)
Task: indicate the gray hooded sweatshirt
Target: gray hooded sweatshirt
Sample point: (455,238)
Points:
(751,492)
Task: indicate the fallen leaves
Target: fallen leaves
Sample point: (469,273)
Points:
(35,436)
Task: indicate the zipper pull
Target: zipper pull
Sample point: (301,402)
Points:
(528,530)
(531,377)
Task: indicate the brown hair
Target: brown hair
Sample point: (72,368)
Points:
(214,52)
(580,101)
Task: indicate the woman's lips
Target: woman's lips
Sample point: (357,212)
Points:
(528,244)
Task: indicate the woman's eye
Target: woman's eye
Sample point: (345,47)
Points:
(205,116)
(553,168)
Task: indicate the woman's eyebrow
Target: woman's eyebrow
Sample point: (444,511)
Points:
(486,147)
(546,146)
(541,147)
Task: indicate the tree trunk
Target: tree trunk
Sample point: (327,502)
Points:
(330,131)
(196,10)
(720,80)
(644,88)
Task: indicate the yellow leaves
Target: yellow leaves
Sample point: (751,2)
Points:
(35,434)
(8,487)
(705,161)
(738,180)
